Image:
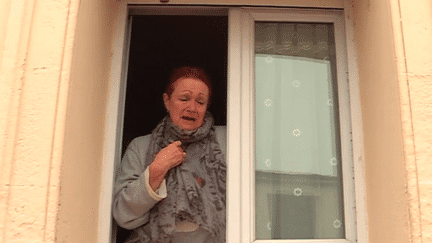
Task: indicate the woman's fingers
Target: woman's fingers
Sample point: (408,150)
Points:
(172,155)
(176,144)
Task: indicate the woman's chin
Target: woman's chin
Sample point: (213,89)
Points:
(188,125)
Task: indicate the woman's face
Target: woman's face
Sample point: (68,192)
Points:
(187,105)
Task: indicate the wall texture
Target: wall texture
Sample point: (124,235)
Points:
(415,22)
(36,41)
(85,123)
(383,139)
(394,63)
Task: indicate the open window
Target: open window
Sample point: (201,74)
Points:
(158,44)
(288,113)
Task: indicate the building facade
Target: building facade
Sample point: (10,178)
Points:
(58,60)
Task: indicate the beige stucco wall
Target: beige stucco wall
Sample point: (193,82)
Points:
(388,209)
(394,65)
(85,123)
(55,58)
(416,25)
(36,43)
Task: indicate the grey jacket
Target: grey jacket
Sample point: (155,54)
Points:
(132,198)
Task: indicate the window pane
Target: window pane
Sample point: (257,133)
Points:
(298,158)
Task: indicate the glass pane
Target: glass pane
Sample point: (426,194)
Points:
(298,158)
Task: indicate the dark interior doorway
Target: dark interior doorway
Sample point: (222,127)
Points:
(158,45)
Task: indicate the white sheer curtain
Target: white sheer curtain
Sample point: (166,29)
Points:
(298,167)
(295,39)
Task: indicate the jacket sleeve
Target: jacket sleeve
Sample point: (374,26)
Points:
(133,196)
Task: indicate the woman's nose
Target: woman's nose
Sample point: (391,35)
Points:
(192,106)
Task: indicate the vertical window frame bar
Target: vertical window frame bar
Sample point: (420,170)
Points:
(234,93)
(247,128)
(114,124)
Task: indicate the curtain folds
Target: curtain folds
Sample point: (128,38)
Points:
(295,39)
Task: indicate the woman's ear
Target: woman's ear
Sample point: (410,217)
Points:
(166,101)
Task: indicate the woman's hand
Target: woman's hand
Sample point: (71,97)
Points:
(168,158)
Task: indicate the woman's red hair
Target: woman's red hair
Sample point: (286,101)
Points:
(188,72)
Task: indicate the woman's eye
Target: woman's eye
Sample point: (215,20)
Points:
(183,98)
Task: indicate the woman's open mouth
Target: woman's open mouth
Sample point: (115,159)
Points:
(188,118)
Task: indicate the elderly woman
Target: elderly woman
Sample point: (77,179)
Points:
(170,186)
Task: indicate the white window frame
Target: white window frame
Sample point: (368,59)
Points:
(247,208)
(240,107)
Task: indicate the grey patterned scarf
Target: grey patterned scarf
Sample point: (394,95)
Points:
(196,188)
